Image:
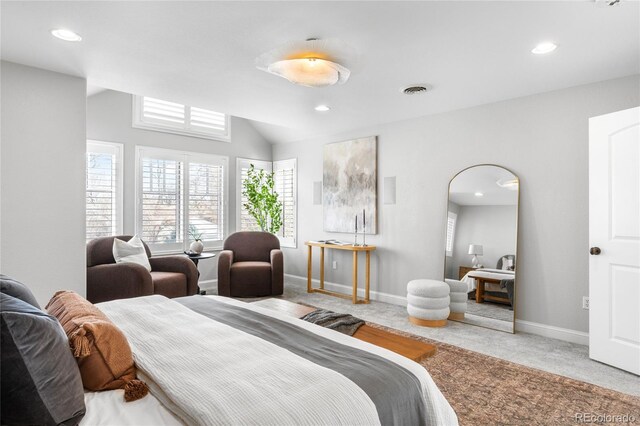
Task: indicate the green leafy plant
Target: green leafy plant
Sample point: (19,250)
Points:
(262,200)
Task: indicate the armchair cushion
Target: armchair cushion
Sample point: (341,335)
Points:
(250,279)
(131,251)
(181,264)
(169,284)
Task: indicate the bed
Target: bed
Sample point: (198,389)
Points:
(498,282)
(231,362)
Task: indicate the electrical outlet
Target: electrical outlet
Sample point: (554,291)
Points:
(585,302)
(334,265)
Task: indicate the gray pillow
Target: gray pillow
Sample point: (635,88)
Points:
(40,380)
(18,290)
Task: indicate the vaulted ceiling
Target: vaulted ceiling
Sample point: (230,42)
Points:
(202,53)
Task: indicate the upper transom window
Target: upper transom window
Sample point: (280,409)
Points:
(164,116)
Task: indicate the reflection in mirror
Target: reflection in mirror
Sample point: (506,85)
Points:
(480,261)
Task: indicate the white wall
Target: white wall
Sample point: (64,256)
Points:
(109,120)
(42,153)
(541,138)
(494,227)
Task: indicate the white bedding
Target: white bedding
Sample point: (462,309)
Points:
(215,406)
(496,274)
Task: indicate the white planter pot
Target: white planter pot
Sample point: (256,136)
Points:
(196,246)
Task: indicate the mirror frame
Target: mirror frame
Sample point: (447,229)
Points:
(515,279)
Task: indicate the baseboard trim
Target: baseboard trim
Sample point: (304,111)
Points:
(209,286)
(565,334)
(373,295)
(544,330)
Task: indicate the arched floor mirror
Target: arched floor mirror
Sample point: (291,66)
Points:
(481,245)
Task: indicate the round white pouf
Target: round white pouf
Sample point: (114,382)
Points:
(428,302)
(458,295)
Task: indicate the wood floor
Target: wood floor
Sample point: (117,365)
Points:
(410,348)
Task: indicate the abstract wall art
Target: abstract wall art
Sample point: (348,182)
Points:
(349,185)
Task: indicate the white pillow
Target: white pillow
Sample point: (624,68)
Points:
(131,252)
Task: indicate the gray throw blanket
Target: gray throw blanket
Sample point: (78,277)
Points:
(344,323)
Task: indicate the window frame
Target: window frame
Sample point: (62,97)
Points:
(139,122)
(454,216)
(186,157)
(291,242)
(117,149)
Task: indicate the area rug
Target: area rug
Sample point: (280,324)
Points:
(484,390)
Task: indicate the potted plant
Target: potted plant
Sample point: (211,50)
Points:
(262,199)
(196,246)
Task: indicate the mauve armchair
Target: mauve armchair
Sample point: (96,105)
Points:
(251,265)
(170,276)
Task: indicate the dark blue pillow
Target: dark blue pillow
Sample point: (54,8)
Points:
(18,290)
(40,380)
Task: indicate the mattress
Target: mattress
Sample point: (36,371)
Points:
(495,274)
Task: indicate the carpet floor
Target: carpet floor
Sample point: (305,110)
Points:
(484,390)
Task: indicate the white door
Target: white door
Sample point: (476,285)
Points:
(614,238)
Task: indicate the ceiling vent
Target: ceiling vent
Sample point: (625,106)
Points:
(607,2)
(414,90)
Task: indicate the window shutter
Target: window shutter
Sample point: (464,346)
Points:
(164,112)
(285,186)
(182,197)
(206,120)
(164,116)
(162,205)
(206,203)
(451,229)
(103,190)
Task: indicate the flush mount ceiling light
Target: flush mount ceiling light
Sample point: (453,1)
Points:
(542,48)
(322,108)
(311,63)
(479,194)
(66,35)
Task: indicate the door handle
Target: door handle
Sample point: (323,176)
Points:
(594,251)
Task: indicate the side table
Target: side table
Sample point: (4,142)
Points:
(195,258)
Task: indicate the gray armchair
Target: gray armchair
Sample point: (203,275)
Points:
(170,276)
(251,265)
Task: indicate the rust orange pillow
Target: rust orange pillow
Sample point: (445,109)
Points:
(101,349)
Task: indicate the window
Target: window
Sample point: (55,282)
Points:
(285,185)
(244,221)
(103,189)
(180,195)
(164,116)
(451,231)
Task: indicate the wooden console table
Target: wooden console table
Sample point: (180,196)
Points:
(355,250)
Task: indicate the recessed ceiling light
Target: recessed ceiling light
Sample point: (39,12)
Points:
(479,194)
(66,35)
(322,108)
(543,48)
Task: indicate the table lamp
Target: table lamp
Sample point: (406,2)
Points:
(475,250)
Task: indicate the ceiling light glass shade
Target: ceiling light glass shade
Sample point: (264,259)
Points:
(312,63)
(311,72)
